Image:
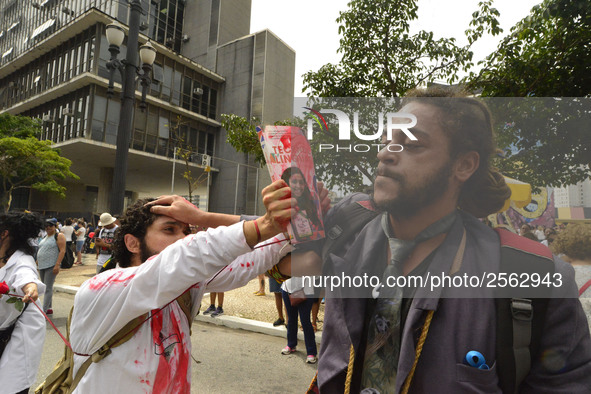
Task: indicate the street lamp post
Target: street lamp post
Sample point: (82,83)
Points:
(129,70)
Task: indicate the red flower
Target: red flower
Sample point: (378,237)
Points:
(4,289)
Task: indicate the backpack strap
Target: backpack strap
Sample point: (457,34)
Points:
(522,317)
(349,221)
(108,265)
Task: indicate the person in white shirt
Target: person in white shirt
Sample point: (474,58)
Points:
(80,238)
(22,326)
(540,233)
(159,260)
(104,241)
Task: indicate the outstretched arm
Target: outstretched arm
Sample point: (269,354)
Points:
(177,205)
(277,200)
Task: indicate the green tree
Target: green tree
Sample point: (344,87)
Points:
(26,162)
(381,58)
(348,165)
(242,135)
(186,153)
(547,141)
(19,126)
(547,54)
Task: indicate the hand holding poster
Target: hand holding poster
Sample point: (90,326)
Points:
(289,157)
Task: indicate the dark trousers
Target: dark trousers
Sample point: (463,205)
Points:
(303,309)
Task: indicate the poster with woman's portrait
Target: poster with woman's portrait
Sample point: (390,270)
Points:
(289,157)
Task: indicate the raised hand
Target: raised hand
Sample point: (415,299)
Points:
(278,202)
(178,208)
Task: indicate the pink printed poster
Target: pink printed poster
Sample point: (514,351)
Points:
(289,157)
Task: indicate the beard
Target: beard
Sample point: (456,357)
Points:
(410,199)
(145,252)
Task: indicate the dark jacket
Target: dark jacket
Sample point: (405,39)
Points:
(459,324)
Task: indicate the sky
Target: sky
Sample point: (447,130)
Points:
(310,28)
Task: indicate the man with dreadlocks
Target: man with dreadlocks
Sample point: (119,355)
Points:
(388,339)
(163,273)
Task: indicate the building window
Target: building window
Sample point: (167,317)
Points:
(213,97)
(139,129)
(63,118)
(98,118)
(6,55)
(187,89)
(13,26)
(112,121)
(167,83)
(163,136)
(166,22)
(44,27)
(210,144)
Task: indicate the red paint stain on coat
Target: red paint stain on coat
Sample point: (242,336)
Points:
(173,364)
(100,282)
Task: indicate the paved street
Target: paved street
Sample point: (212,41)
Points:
(230,361)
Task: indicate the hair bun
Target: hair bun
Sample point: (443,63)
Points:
(486,195)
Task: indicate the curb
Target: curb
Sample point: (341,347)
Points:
(65,289)
(226,321)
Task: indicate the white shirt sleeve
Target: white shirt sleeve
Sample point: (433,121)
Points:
(106,302)
(249,265)
(26,272)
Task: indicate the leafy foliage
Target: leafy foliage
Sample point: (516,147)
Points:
(547,140)
(547,54)
(242,135)
(30,163)
(185,153)
(348,165)
(19,126)
(381,57)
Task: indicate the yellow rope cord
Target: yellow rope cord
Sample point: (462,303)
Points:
(350,370)
(313,384)
(418,351)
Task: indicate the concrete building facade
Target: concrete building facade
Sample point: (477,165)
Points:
(53,67)
(578,195)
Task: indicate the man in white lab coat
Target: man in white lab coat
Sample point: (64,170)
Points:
(159,263)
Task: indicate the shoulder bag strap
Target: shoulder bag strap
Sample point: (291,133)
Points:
(186,303)
(122,336)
